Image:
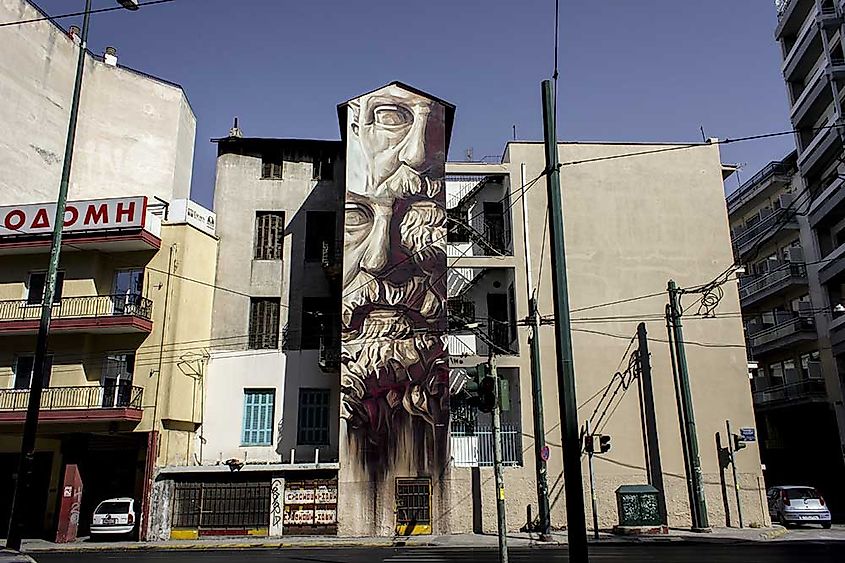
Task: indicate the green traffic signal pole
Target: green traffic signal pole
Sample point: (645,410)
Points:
(699,508)
(573,483)
(23,483)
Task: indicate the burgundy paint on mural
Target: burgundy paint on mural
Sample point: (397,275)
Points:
(71,502)
(394,371)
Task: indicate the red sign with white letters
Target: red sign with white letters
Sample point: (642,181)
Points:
(92,215)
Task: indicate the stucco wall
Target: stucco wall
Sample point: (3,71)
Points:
(631,224)
(135,133)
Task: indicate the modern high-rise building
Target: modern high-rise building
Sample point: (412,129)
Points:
(810,33)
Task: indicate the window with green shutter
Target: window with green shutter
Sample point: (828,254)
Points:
(258,417)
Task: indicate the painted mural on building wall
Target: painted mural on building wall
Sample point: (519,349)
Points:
(394,374)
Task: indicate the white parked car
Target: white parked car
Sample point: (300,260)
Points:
(114,517)
(798,505)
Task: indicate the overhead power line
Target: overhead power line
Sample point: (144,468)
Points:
(82,13)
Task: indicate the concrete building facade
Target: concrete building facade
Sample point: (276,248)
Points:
(132,312)
(810,34)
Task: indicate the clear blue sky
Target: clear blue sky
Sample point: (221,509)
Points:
(646,70)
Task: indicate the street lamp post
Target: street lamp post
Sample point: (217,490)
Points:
(23,482)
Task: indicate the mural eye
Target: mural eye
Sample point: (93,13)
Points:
(356,215)
(392,116)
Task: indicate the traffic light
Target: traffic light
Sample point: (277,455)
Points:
(739,443)
(589,445)
(604,443)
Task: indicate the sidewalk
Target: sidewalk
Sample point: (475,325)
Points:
(516,539)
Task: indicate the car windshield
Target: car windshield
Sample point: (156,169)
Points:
(113,507)
(798,494)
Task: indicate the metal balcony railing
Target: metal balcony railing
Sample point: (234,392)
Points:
(331,255)
(82,397)
(751,285)
(772,169)
(473,447)
(329,358)
(764,228)
(799,390)
(80,307)
(781,330)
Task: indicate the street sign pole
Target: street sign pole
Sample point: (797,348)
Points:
(593,499)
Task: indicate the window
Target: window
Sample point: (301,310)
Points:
(413,502)
(117,380)
(271,167)
(313,428)
(318,320)
(23,371)
(263,323)
(319,232)
(258,417)
(35,288)
(456,225)
(269,235)
(811,365)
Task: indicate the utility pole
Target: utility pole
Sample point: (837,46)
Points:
(540,451)
(590,450)
(23,483)
(497,462)
(699,504)
(731,451)
(653,463)
(573,484)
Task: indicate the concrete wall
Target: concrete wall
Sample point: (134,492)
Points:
(135,133)
(631,224)
(239,194)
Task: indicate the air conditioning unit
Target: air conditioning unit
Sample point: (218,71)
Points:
(794,254)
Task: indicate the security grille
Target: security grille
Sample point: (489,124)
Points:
(269,235)
(233,506)
(413,501)
(263,323)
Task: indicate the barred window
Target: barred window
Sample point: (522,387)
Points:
(271,167)
(313,427)
(263,323)
(269,235)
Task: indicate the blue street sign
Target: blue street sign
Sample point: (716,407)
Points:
(748,434)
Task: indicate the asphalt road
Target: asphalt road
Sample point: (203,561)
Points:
(780,552)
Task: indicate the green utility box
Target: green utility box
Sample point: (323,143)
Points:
(637,505)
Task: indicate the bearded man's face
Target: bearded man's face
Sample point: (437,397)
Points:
(394,288)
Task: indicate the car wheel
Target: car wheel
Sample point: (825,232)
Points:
(826,525)
(782,520)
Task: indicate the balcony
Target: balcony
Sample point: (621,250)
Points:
(795,330)
(804,53)
(791,16)
(776,173)
(819,152)
(837,335)
(827,202)
(100,314)
(753,289)
(71,405)
(758,234)
(798,392)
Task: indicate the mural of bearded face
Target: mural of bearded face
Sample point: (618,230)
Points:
(394,290)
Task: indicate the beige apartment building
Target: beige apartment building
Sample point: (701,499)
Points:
(132,313)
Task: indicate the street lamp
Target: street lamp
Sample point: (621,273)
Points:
(23,482)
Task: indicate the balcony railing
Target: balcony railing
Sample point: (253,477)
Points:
(331,259)
(772,169)
(474,447)
(808,389)
(80,307)
(767,227)
(781,330)
(83,397)
(752,285)
(329,358)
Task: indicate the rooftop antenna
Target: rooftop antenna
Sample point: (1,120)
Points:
(469,154)
(235,131)
(514,131)
(703,136)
